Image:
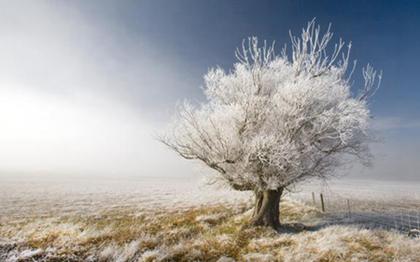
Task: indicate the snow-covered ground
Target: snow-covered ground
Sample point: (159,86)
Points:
(36,195)
(366,189)
(23,197)
(362,195)
(380,204)
(121,219)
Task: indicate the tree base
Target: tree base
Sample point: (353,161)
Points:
(266,211)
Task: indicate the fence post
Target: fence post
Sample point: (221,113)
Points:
(395,222)
(322,202)
(313,198)
(402,222)
(409,220)
(348,207)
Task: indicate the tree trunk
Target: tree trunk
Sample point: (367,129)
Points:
(266,210)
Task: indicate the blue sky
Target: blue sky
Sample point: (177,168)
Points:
(203,34)
(84,83)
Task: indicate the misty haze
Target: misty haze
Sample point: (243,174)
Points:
(209,131)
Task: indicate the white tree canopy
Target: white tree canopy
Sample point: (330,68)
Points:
(275,120)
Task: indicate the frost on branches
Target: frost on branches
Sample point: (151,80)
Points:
(276,120)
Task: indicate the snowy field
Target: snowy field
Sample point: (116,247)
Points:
(180,219)
(393,205)
(22,197)
(44,196)
(368,189)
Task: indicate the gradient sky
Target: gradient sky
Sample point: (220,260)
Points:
(85,84)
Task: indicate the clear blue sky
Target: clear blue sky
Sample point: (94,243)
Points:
(80,79)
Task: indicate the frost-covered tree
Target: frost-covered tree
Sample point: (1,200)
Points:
(277,120)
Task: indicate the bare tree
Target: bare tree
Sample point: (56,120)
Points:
(277,120)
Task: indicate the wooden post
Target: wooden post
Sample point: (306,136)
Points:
(313,198)
(348,207)
(409,221)
(322,202)
(401,221)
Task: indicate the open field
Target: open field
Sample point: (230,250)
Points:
(185,220)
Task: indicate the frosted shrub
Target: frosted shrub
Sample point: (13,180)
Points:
(277,120)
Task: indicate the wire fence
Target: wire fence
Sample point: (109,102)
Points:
(390,210)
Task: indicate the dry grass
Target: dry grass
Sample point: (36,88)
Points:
(206,233)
